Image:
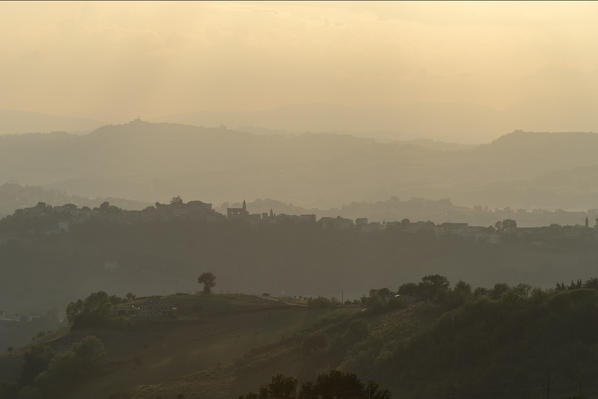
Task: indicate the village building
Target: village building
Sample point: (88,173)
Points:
(198,205)
(148,308)
(337,223)
(361,221)
(451,228)
(371,227)
(232,213)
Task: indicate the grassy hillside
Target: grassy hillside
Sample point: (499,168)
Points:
(202,341)
(505,342)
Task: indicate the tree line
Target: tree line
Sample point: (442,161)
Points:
(331,385)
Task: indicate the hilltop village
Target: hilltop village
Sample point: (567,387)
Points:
(47,219)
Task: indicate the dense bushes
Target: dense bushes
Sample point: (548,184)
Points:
(455,341)
(432,288)
(331,385)
(508,342)
(322,302)
(98,309)
(47,374)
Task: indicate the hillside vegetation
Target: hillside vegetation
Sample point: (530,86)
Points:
(204,339)
(424,340)
(508,342)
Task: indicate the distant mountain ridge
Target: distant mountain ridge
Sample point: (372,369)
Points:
(154,161)
(464,121)
(17,122)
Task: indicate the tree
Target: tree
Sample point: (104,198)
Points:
(96,309)
(381,299)
(176,201)
(208,280)
(337,384)
(332,385)
(73,310)
(498,290)
(507,225)
(373,391)
(105,207)
(280,387)
(434,287)
(408,289)
(460,294)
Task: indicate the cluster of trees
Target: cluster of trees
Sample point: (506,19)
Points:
(432,288)
(437,289)
(48,374)
(503,342)
(332,385)
(591,283)
(506,341)
(98,309)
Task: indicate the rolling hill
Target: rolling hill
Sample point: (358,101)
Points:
(505,342)
(209,335)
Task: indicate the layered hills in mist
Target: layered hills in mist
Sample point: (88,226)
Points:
(154,161)
(15,122)
(15,196)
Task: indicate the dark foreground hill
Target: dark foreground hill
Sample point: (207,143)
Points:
(203,340)
(431,341)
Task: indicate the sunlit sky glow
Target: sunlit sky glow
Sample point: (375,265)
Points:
(531,65)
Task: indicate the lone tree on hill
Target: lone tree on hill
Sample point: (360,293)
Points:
(208,280)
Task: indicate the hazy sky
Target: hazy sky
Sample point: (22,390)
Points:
(492,67)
